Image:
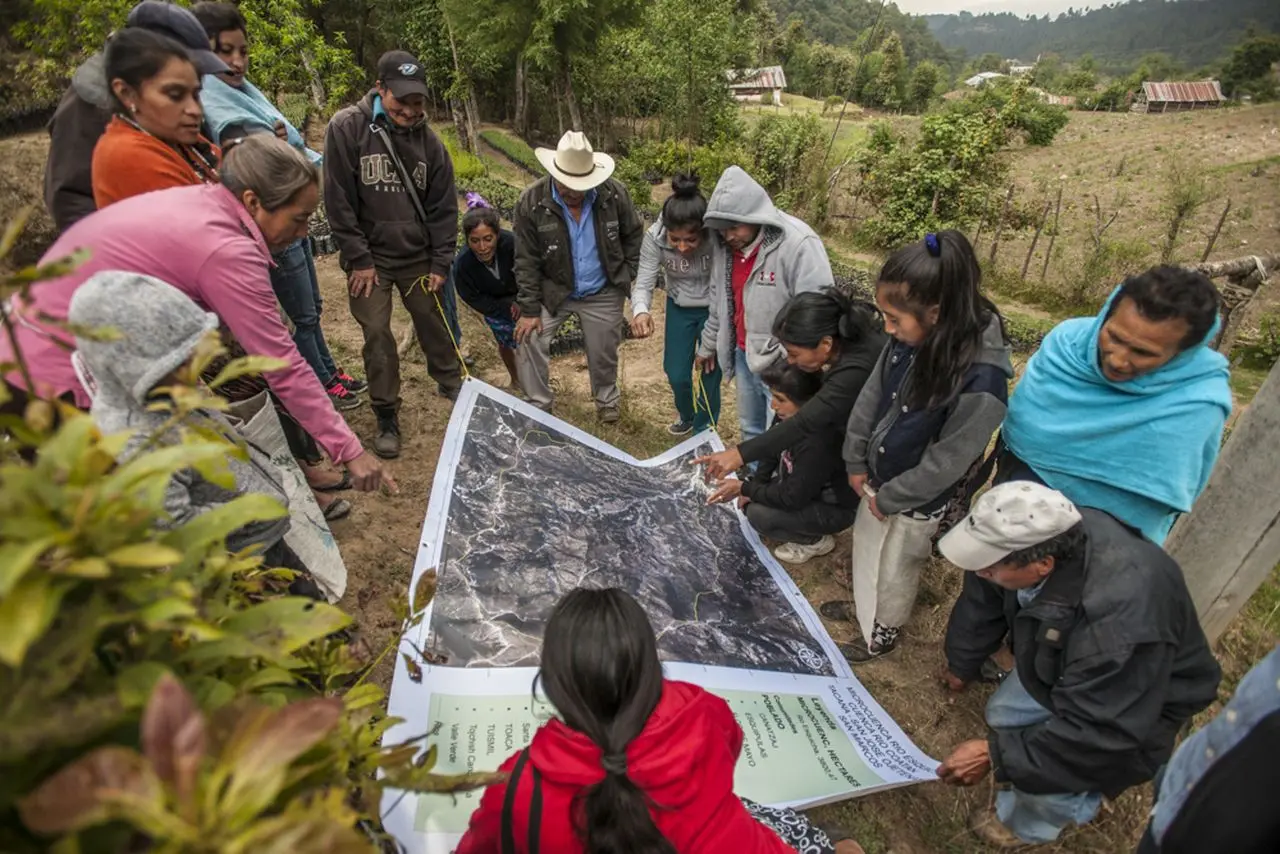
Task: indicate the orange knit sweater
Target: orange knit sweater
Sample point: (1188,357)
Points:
(129,162)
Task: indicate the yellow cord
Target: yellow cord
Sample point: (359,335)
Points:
(422,282)
(700,391)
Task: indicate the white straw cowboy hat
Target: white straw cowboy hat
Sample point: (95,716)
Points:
(574,164)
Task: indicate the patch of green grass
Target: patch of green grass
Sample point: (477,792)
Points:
(514,148)
(1245,383)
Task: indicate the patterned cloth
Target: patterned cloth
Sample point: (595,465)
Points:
(503,329)
(792,827)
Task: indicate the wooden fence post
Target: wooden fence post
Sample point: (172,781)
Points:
(1026,265)
(1230,543)
(1214,239)
(1053,236)
(1004,213)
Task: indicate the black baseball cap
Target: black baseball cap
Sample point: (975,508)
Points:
(401,72)
(183,27)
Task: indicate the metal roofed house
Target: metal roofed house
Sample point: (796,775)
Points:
(758,84)
(982,77)
(1172,97)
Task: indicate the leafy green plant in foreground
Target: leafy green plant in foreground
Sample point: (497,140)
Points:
(115,620)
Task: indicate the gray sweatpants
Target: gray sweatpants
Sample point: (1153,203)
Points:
(601,318)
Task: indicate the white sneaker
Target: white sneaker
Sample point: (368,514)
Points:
(799,552)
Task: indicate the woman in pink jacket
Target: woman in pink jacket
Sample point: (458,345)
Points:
(212,242)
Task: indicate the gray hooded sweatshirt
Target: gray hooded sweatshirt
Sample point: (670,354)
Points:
(791,260)
(686,278)
(159,328)
(81,117)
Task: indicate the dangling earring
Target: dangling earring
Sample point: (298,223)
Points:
(133,108)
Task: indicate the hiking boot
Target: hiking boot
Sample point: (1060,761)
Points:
(610,415)
(448,393)
(387,442)
(352,384)
(342,397)
(986,825)
(801,553)
(680,428)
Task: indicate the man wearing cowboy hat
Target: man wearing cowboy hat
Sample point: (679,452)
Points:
(1110,659)
(577,251)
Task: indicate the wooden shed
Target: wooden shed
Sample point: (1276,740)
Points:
(1173,97)
(765,85)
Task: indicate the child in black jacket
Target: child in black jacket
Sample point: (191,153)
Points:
(802,496)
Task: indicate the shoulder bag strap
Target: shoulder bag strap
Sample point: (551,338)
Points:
(535,812)
(405,178)
(509,804)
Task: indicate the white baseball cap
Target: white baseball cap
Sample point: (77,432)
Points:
(1008,518)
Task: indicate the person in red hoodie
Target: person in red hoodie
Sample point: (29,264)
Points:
(635,763)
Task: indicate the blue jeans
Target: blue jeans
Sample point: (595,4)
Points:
(1033,818)
(294,281)
(754,414)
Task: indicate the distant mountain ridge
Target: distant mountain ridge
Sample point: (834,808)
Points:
(1194,32)
(839,22)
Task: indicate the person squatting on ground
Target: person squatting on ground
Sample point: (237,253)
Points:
(1110,660)
(154,140)
(88,106)
(1125,411)
(393,207)
(578,242)
(233,109)
(922,420)
(838,341)
(159,328)
(1218,793)
(213,243)
(765,257)
(801,496)
(679,246)
(633,762)
(485,276)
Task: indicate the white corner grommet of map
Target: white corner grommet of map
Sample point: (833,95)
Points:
(525,507)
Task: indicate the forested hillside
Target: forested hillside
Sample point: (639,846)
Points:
(840,22)
(1194,32)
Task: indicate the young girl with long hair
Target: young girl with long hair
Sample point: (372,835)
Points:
(681,247)
(927,413)
(634,763)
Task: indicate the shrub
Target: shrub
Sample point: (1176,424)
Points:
(633,177)
(498,193)
(515,149)
(296,108)
(116,620)
(466,166)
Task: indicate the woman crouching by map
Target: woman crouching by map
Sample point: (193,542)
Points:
(635,763)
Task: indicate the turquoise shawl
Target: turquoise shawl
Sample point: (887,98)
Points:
(1141,450)
(225,105)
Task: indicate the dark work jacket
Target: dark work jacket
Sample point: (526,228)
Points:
(829,409)
(74,130)
(806,472)
(1111,646)
(544,259)
(477,286)
(372,217)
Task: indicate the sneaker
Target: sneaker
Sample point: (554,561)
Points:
(343,399)
(800,553)
(352,384)
(680,428)
(610,415)
(884,640)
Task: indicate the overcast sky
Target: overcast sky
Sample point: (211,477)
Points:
(1018,7)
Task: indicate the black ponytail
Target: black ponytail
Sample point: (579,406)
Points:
(809,317)
(686,206)
(941,270)
(600,669)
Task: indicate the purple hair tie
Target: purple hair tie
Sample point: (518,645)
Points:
(475,200)
(931,243)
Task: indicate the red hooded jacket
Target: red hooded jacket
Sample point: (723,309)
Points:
(683,760)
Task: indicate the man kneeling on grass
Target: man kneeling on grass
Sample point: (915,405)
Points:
(802,496)
(1110,659)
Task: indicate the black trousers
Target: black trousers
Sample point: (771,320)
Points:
(806,525)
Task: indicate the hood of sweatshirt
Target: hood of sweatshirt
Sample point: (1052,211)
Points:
(994,349)
(157,326)
(738,198)
(670,759)
(90,83)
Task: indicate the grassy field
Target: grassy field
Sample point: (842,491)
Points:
(381,536)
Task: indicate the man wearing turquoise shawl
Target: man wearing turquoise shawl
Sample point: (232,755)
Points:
(1124,412)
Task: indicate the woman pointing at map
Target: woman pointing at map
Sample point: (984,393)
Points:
(822,332)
